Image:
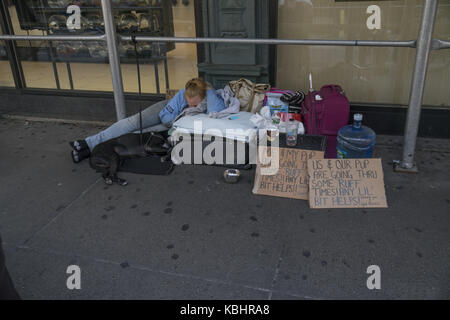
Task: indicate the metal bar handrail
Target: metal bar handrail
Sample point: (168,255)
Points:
(53,38)
(114,59)
(409,43)
(424,45)
(437,43)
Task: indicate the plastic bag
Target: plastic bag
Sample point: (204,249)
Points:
(275,103)
(263,119)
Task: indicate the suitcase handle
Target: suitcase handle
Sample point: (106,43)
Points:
(328,90)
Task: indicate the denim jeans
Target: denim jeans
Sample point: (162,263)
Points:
(150,122)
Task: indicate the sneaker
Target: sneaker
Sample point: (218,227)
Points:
(110,180)
(78,156)
(79,145)
(120,182)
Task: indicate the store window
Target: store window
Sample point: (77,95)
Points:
(438,78)
(172,64)
(182,61)
(368,74)
(6,76)
(83,65)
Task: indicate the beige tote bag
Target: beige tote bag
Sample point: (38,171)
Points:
(250,95)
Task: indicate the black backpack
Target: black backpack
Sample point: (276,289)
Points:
(144,153)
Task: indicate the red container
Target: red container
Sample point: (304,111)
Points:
(285,116)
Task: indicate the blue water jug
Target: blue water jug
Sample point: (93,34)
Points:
(355,141)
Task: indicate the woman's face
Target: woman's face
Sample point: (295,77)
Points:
(193,101)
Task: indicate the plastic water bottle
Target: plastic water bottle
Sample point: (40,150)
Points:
(291,133)
(355,141)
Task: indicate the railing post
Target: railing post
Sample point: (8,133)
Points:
(114,61)
(407,164)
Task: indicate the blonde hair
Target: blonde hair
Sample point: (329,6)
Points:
(196,87)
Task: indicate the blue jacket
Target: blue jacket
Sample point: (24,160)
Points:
(178,103)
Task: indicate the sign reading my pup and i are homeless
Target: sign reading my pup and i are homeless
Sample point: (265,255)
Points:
(346,183)
(291,179)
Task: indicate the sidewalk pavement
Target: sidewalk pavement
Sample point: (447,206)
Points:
(191,236)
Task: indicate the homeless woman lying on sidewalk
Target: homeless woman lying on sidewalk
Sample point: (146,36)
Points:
(197,97)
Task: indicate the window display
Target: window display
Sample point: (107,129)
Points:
(140,17)
(71,65)
(6,79)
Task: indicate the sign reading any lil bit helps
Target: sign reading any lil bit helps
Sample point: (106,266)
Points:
(291,180)
(346,183)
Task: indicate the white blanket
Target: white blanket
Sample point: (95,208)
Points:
(236,126)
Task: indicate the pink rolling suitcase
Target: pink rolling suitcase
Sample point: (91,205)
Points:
(324,112)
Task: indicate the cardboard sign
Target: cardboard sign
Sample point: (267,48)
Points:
(346,183)
(291,180)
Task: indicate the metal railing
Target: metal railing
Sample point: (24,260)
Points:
(424,44)
(437,44)
(417,86)
(53,38)
(114,60)
(310,42)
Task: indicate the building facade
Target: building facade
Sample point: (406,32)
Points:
(73,80)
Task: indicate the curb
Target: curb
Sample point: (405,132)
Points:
(56,120)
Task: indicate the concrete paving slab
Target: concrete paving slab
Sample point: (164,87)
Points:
(286,297)
(40,180)
(330,250)
(104,280)
(194,226)
(190,222)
